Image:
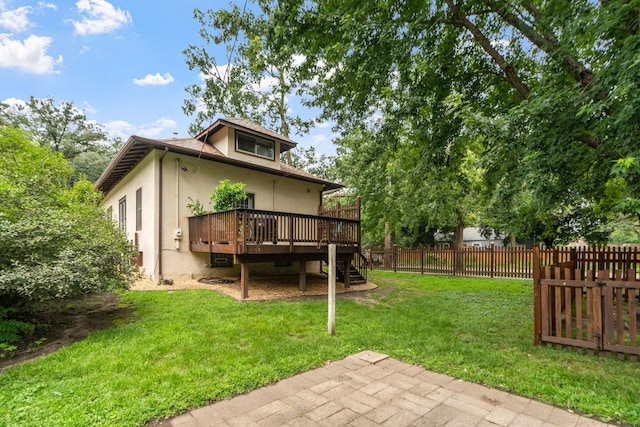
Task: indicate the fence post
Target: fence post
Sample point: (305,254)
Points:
(395,259)
(537,298)
(492,262)
(422,260)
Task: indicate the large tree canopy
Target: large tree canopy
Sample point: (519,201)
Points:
(548,90)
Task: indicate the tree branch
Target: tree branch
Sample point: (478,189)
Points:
(460,19)
(548,44)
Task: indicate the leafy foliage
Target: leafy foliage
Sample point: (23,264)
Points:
(196,207)
(55,242)
(11,329)
(226,195)
(545,90)
(253,80)
(65,129)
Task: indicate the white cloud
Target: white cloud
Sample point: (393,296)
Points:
(149,132)
(119,129)
(166,122)
(48,5)
(88,108)
(29,55)
(162,124)
(84,50)
(16,20)
(154,80)
(102,17)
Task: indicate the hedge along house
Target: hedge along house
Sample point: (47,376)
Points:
(280,228)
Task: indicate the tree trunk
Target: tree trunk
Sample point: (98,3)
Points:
(388,245)
(458,236)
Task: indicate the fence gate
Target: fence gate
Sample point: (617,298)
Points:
(589,301)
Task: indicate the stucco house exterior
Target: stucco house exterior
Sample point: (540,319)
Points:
(280,229)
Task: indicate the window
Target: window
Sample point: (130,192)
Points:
(248,203)
(221,260)
(110,212)
(139,209)
(255,145)
(122,213)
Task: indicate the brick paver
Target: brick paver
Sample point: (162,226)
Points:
(371,389)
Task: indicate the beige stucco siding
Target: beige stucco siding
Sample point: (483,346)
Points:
(272,192)
(225,141)
(142,177)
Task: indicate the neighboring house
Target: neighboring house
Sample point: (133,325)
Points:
(472,236)
(147,188)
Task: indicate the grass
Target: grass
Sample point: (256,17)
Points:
(185,349)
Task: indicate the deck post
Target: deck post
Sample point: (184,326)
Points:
(347,273)
(303,276)
(244,280)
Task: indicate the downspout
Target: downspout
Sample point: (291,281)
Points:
(160,278)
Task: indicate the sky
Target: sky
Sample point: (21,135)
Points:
(121,62)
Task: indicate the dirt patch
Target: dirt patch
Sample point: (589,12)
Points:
(65,322)
(260,288)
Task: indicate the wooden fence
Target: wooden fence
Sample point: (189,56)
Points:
(468,261)
(588,299)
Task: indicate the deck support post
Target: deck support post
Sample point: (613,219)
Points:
(303,276)
(347,273)
(244,280)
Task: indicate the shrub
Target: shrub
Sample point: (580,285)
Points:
(55,241)
(226,195)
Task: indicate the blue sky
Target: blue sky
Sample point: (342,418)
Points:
(121,62)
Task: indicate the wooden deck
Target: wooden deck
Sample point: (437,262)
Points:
(254,236)
(254,232)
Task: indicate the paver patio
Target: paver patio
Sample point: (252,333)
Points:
(372,389)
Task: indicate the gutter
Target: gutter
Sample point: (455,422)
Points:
(160,278)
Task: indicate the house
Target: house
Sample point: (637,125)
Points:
(281,228)
(472,236)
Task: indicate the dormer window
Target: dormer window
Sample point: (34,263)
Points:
(257,146)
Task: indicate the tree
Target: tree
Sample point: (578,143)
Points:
(320,165)
(55,241)
(253,81)
(65,129)
(546,87)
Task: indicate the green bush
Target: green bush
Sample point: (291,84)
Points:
(55,241)
(226,195)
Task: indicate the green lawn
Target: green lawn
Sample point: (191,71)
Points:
(185,349)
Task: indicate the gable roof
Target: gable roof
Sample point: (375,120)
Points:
(137,148)
(248,126)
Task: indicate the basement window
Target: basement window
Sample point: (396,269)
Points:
(257,146)
(221,260)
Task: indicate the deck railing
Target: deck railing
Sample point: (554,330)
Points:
(242,227)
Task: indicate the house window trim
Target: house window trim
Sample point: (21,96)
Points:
(251,202)
(257,139)
(122,213)
(139,209)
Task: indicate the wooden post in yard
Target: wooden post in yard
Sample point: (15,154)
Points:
(537,297)
(332,289)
